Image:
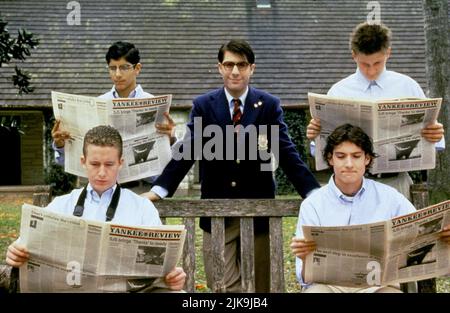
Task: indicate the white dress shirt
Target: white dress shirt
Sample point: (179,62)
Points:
(132,209)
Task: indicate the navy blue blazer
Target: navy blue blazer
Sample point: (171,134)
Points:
(232,177)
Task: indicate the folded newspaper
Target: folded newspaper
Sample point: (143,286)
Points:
(146,152)
(406,248)
(393,124)
(69,254)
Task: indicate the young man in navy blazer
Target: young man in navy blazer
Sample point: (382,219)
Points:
(235,176)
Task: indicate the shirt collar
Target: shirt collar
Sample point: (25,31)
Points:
(380,81)
(92,194)
(230,97)
(339,194)
(133,94)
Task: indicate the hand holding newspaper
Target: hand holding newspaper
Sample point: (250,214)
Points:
(69,254)
(146,152)
(406,248)
(393,124)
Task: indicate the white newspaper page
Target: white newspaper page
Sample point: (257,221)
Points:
(343,253)
(70,254)
(146,152)
(406,248)
(394,126)
(145,156)
(405,153)
(415,250)
(399,144)
(334,112)
(78,114)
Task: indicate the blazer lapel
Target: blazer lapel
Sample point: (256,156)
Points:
(250,111)
(219,106)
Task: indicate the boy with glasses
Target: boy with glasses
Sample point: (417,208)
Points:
(124,66)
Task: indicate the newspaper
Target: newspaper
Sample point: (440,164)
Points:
(406,248)
(393,124)
(69,254)
(146,152)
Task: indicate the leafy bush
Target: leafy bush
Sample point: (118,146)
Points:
(60,181)
(296,121)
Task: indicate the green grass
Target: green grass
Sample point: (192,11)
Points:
(10,225)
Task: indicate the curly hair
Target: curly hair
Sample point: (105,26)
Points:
(350,133)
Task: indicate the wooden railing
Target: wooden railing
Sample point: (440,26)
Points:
(246,210)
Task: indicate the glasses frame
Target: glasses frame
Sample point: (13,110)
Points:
(229,66)
(122,70)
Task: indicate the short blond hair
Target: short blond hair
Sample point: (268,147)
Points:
(103,136)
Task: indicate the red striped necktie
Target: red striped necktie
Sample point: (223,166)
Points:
(237,111)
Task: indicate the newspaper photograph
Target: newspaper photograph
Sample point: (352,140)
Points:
(394,126)
(70,254)
(406,248)
(135,119)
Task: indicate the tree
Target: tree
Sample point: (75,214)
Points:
(17,49)
(438,63)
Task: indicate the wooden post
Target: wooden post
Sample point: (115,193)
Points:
(247,255)
(218,253)
(42,196)
(420,199)
(189,254)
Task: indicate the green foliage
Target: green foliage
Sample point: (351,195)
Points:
(55,176)
(60,181)
(17,49)
(296,121)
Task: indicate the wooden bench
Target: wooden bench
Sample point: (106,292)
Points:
(246,209)
(275,209)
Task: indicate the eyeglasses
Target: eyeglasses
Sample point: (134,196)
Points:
(229,66)
(122,68)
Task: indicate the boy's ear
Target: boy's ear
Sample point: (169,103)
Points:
(138,68)
(83,161)
(367,160)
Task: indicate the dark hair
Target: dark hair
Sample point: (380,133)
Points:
(103,136)
(370,38)
(350,133)
(122,49)
(237,46)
